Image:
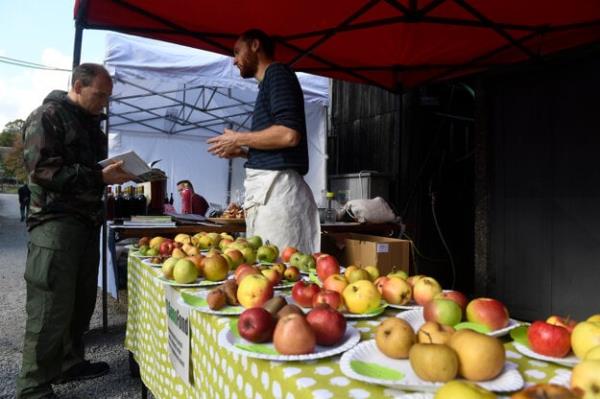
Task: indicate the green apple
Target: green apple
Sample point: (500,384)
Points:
(152,252)
(295,258)
(144,250)
(255,242)
(267,253)
(167,267)
(249,255)
(185,271)
(306,263)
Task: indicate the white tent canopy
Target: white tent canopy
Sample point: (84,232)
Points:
(168,99)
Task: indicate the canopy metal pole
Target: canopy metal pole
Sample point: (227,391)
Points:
(79,24)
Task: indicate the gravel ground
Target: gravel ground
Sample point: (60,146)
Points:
(100,346)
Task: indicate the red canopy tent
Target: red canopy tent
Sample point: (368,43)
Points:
(389,43)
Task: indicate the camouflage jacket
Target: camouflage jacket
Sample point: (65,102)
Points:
(62,146)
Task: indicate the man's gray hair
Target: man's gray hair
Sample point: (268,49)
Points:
(87,72)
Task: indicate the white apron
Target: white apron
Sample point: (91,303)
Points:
(280,207)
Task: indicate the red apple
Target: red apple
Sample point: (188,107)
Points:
(166,247)
(287,253)
(488,312)
(335,282)
(425,289)
(256,325)
(303,293)
(565,322)
(326,266)
(548,339)
(455,296)
(272,275)
(242,272)
(291,273)
(317,254)
(331,298)
(328,324)
(443,311)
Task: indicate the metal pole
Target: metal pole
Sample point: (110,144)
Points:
(104,248)
(79,24)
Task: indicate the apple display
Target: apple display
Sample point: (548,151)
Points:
(585,336)
(394,337)
(185,271)
(549,339)
(254,290)
(480,357)
(331,298)
(361,297)
(396,291)
(215,268)
(425,289)
(488,312)
(335,282)
(328,324)
(326,266)
(443,311)
(256,325)
(303,293)
(433,362)
(294,336)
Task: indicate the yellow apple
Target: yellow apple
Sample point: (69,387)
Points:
(357,275)
(167,267)
(373,272)
(480,356)
(183,238)
(594,317)
(593,354)
(361,297)
(349,270)
(586,376)
(584,337)
(254,290)
(215,268)
(464,390)
(396,291)
(178,253)
(185,271)
(156,241)
(394,337)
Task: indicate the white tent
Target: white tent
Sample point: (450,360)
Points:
(168,99)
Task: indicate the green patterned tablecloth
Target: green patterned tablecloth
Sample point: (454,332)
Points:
(218,373)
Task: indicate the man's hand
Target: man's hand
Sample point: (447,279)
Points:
(114,174)
(226,145)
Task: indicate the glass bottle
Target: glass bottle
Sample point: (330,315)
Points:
(119,204)
(141,201)
(330,214)
(186,200)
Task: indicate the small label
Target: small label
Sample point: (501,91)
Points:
(383,248)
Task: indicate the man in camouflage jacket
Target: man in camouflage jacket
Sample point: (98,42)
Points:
(63,143)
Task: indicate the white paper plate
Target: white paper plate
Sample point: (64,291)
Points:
(509,380)
(198,283)
(138,255)
(346,314)
(416,320)
(147,261)
(569,361)
(231,342)
(201,305)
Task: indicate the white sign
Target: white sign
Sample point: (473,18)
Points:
(382,248)
(178,323)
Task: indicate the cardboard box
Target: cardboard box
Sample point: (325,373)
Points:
(364,250)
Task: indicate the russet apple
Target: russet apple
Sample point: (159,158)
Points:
(394,337)
(425,289)
(549,339)
(294,336)
(326,266)
(185,271)
(331,298)
(256,325)
(303,293)
(328,324)
(361,297)
(215,268)
(335,282)
(443,311)
(585,336)
(287,253)
(254,290)
(396,291)
(291,273)
(455,296)
(434,333)
(480,357)
(488,312)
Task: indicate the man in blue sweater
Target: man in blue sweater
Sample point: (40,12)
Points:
(279,205)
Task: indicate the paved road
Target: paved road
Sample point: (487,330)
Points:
(100,346)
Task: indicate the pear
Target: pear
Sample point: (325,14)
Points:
(394,337)
(294,336)
(463,390)
(433,362)
(433,332)
(480,356)
(290,308)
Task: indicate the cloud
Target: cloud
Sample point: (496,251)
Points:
(24,90)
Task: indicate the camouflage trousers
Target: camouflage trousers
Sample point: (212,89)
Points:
(61,275)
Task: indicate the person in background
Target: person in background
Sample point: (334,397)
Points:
(24,197)
(63,144)
(279,204)
(199,204)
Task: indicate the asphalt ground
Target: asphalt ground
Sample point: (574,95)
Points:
(108,347)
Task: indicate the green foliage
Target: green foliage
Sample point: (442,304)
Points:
(11,130)
(13,163)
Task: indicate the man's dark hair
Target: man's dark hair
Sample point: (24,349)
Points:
(266,42)
(87,72)
(189,183)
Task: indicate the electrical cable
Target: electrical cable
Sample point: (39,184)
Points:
(439,230)
(28,64)
(416,250)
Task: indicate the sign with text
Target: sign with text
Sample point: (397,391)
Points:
(179,333)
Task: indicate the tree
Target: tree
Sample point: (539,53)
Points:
(14,163)
(11,130)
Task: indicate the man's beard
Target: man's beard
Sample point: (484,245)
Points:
(249,67)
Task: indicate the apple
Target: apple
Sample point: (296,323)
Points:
(256,325)
(267,253)
(443,311)
(357,274)
(350,269)
(183,238)
(293,335)
(380,281)
(240,269)
(399,273)
(335,282)
(185,272)
(255,242)
(197,260)
(425,289)
(245,272)
(295,259)
(434,333)
(328,324)
(272,275)
(303,293)
(548,339)
(331,298)
(166,247)
(206,242)
(585,336)
(326,266)
(249,255)
(177,253)
(155,242)
(586,377)
(316,255)
(306,263)
(280,267)
(215,268)
(236,258)
(224,243)
(287,253)
(254,290)
(144,241)
(361,297)
(291,273)
(168,266)
(412,280)
(488,312)
(394,337)
(455,296)
(396,291)
(464,390)
(565,322)
(373,272)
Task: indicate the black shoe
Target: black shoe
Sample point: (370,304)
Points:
(83,371)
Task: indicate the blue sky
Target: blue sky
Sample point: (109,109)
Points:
(39,31)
